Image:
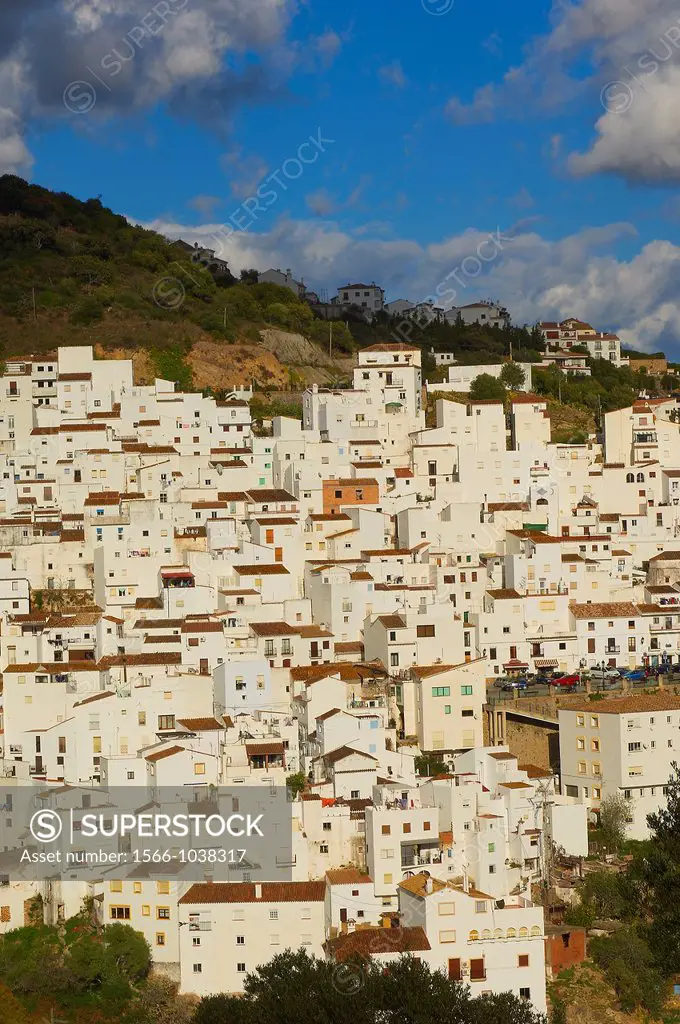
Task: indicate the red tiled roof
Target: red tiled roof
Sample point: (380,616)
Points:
(246,892)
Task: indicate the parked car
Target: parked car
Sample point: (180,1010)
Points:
(636,675)
(515,684)
(609,672)
(569,682)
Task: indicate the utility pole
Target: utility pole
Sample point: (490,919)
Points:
(330,339)
(225,318)
(35,312)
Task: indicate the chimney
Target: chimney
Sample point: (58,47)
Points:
(258,891)
(428,884)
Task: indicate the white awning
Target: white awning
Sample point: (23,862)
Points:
(546,662)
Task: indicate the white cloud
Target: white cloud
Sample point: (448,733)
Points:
(632,51)
(534,276)
(188,55)
(245,173)
(393,74)
(15,157)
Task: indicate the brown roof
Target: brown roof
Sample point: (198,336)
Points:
(161,754)
(318,517)
(388,346)
(271,628)
(275,747)
(424,671)
(666,556)
(103,498)
(261,494)
(245,892)
(282,521)
(262,569)
(508,506)
(392,621)
(606,610)
(534,771)
(638,703)
(503,595)
(202,626)
(527,398)
(348,876)
(201,724)
(166,658)
(502,755)
(370,941)
(349,646)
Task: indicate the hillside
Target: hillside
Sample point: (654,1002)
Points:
(74,273)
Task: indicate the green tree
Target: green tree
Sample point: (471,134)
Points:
(485,387)
(430,764)
(296,783)
(513,376)
(614,811)
(296,987)
(660,870)
(629,966)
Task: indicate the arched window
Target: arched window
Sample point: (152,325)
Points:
(473,936)
(498,933)
(535,930)
(523,933)
(486,934)
(512,933)
(641,478)
(630,478)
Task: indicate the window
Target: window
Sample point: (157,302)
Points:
(423,631)
(525,993)
(198,968)
(160,938)
(273,915)
(441,691)
(466,691)
(480,906)
(163,913)
(120,913)
(595,745)
(241,968)
(199,768)
(523,960)
(385,830)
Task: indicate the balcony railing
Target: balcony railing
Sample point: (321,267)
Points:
(200,926)
(421,860)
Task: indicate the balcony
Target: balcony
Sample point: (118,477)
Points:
(200,926)
(612,649)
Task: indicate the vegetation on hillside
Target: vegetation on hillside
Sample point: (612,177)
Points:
(80,261)
(642,955)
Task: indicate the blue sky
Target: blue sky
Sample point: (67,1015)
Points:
(449,120)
